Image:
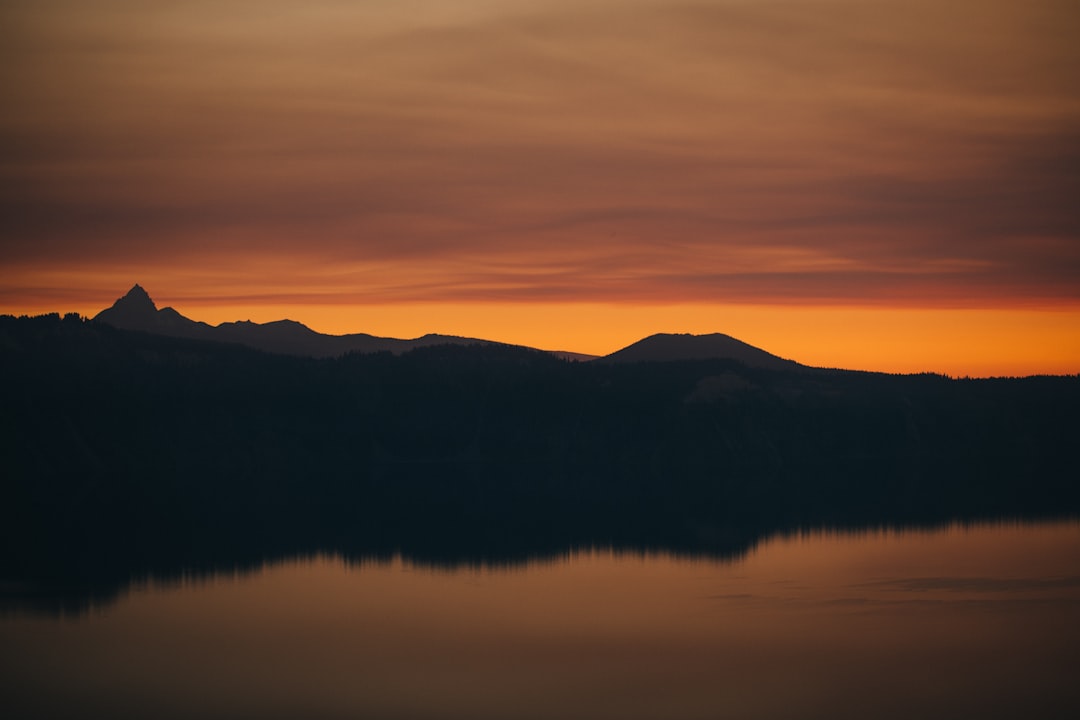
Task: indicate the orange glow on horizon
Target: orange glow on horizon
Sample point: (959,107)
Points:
(976,343)
(882,186)
(957,342)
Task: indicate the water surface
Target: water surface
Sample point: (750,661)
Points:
(979,621)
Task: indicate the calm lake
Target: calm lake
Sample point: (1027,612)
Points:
(961,621)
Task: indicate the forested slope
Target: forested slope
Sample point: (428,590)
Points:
(128,450)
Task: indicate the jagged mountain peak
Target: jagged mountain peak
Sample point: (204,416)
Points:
(138,291)
(135,310)
(136,299)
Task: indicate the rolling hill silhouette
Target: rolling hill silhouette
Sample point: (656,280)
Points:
(664,347)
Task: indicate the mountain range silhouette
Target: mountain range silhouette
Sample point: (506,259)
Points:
(166,444)
(137,311)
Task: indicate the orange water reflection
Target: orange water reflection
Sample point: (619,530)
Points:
(976,621)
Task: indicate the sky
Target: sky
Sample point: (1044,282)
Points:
(877,184)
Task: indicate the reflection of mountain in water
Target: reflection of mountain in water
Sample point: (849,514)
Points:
(129,454)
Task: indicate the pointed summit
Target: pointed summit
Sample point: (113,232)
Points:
(136,311)
(137,290)
(137,299)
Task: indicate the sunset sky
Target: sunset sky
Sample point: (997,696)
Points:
(878,184)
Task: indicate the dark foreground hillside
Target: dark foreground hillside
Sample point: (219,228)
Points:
(127,453)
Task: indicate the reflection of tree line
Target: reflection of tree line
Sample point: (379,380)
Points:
(129,453)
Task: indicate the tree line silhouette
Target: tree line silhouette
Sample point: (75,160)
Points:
(128,453)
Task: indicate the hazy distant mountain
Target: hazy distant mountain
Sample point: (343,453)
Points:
(667,347)
(137,311)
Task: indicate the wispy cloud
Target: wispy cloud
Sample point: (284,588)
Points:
(784,151)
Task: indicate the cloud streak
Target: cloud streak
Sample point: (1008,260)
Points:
(784,151)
